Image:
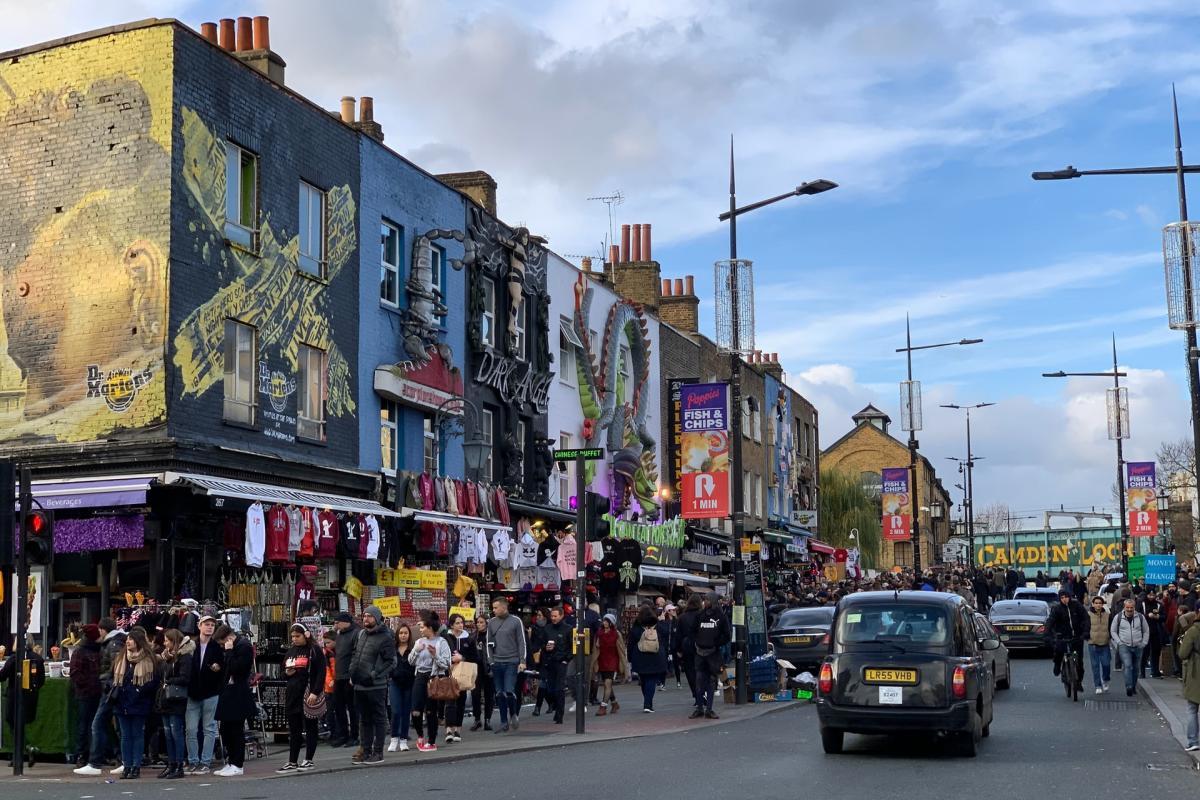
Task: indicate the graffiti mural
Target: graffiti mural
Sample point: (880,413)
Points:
(783,453)
(84,222)
(266,290)
(608,421)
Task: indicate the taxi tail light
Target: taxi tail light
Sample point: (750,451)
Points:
(959,683)
(825,680)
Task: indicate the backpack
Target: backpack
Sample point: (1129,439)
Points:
(649,641)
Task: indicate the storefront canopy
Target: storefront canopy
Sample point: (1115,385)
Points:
(122,490)
(818,546)
(421,515)
(244,490)
(669,575)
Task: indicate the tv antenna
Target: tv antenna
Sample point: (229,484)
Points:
(610,200)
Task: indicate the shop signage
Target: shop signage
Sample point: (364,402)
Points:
(668,534)
(674,427)
(805,518)
(1140,498)
(799,546)
(1160,569)
(751,546)
(411,578)
(467,612)
(587,453)
(515,380)
(661,556)
(388,606)
(897,508)
(704,440)
(424,386)
(1068,555)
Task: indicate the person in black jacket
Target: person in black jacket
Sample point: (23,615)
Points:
(685,648)
(204,690)
(112,641)
(345,715)
(710,631)
(236,704)
(648,653)
(556,639)
(462,648)
(1069,624)
(370,673)
(172,702)
(400,690)
(483,696)
(10,674)
(85,688)
(304,666)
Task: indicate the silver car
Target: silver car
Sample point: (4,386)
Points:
(998,658)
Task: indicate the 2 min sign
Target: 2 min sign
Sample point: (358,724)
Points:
(587,453)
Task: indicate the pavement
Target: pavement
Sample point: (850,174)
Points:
(1041,743)
(1166,694)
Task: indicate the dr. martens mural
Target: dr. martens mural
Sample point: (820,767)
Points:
(608,421)
(265,288)
(85,139)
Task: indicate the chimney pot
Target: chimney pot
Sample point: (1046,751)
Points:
(262,33)
(646,241)
(774,358)
(366,109)
(691,285)
(666,287)
(624,244)
(613,255)
(636,254)
(678,287)
(209,31)
(227,35)
(348,110)
(245,34)
(587,263)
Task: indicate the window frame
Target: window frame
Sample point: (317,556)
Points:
(566,355)
(384,267)
(487,423)
(487,333)
(758,495)
(437,266)
(303,401)
(431,451)
(250,404)
(626,367)
(521,338)
(237,231)
(566,477)
(389,415)
(308,191)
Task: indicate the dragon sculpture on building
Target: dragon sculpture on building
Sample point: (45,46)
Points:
(608,421)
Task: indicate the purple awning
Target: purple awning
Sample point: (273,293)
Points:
(92,492)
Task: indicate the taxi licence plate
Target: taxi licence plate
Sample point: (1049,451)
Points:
(1019,627)
(904,676)
(797,640)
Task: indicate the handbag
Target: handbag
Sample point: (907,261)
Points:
(465,674)
(443,687)
(168,693)
(314,709)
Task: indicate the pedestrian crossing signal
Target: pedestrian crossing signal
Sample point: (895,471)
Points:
(596,507)
(39,536)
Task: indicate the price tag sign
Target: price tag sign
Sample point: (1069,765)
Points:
(389,606)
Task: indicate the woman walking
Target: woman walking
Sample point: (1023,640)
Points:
(430,657)
(173,698)
(1189,656)
(236,704)
(400,690)
(462,650)
(648,653)
(609,663)
(484,690)
(135,682)
(304,666)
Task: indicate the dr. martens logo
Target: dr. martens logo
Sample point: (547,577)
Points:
(118,387)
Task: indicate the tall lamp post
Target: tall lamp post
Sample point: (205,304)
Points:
(910,418)
(736,350)
(1179,254)
(1118,429)
(970,466)
(476,449)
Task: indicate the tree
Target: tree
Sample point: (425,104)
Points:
(1177,462)
(845,505)
(996,518)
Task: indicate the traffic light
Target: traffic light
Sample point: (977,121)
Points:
(594,524)
(39,536)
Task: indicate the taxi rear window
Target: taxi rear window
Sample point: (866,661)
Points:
(921,624)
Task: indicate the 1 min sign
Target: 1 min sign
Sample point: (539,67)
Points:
(587,453)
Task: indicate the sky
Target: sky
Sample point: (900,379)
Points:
(930,116)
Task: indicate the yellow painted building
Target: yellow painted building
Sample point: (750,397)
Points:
(864,453)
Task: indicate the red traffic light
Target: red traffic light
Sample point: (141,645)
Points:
(37,523)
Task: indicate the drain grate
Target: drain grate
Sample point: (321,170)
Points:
(1111,705)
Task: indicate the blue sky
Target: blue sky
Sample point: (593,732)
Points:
(930,115)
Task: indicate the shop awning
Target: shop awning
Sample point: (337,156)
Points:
(122,490)
(669,575)
(817,546)
(708,537)
(244,490)
(525,508)
(442,518)
(776,537)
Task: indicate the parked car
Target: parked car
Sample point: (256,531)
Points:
(1023,622)
(997,658)
(906,662)
(1042,593)
(801,636)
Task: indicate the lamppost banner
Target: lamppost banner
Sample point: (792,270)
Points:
(704,442)
(1141,499)
(897,508)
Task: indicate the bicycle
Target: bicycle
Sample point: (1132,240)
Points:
(1072,671)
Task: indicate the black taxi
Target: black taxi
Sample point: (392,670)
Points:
(904,662)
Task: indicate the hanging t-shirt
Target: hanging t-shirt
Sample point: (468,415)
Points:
(256,535)
(526,552)
(567,560)
(295,529)
(277,533)
(348,523)
(327,540)
(501,547)
(305,591)
(373,538)
(234,535)
(364,536)
(610,577)
(548,548)
(629,559)
(547,574)
(308,524)
(595,552)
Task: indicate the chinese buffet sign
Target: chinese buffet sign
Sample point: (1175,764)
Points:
(897,510)
(1140,498)
(704,441)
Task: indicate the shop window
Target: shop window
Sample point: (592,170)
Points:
(389,441)
(390,241)
(239,372)
(311,258)
(241,195)
(487,323)
(310,411)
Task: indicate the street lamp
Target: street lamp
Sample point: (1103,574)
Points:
(910,419)
(1118,430)
(476,449)
(970,474)
(1164,503)
(741,672)
(1179,251)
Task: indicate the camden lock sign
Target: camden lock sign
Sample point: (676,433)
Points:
(515,380)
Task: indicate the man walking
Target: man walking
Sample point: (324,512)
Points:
(555,653)
(204,690)
(112,642)
(1098,644)
(370,670)
(506,653)
(345,715)
(710,632)
(1130,630)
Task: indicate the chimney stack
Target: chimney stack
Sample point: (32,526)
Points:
(209,31)
(586,261)
(624,244)
(635,254)
(770,366)
(262,33)
(679,306)
(646,241)
(477,185)
(366,119)
(227,40)
(245,34)
(348,110)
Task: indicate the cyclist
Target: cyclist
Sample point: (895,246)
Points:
(1069,623)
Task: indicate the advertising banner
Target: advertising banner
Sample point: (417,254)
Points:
(896,502)
(1141,503)
(1160,569)
(704,442)
(675,438)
